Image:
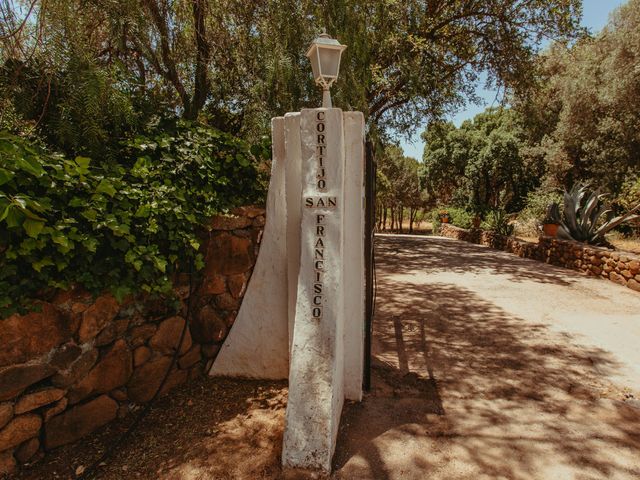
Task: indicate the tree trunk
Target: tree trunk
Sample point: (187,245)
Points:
(401,215)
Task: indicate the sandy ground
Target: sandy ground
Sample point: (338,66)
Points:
(500,368)
(486,366)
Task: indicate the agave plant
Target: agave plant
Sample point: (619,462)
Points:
(586,217)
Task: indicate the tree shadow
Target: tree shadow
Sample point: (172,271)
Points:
(407,254)
(209,428)
(464,389)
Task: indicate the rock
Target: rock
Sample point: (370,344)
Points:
(634,285)
(34,400)
(230,319)
(626,274)
(7,463)
(227,302)
(177,377)
(237,285)
(167,336)
(226,222)
(141,355)
(121,326)
(14,379)
(634,266)
(113,371)
(259,221)
(79,421)
(27,450)
(59,407)
(249,211)
(146,380)
(19,429)
(24,337)
(140,334)
(106,336)
(228,255)
(210,350)
(64,356)
(614,277)
(213,285)
(190,358)
(207,326)
(77,370)
(6,413)
(97,316)
(119,394)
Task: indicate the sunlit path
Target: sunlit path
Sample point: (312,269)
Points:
(491,366)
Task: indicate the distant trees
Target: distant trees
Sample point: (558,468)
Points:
(582,116)
(479,166)
(399,193)
(578,121)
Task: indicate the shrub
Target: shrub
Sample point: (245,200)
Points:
(121,227)
(458,217)
(535,209)
(498,222)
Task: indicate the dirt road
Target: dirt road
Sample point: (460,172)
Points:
(489,366)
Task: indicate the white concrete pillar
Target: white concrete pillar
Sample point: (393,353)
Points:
(327,355)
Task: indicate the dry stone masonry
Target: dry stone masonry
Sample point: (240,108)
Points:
(619,267)
(78,363)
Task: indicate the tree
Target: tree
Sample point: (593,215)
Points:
(583,112)
(478,166)
(242,61)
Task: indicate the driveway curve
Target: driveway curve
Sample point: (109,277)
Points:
(489,366)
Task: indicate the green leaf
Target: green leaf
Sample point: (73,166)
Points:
(5,176)
(33,227)
(40,264)
(106,187)
(30,165)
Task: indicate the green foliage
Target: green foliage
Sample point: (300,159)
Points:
(498,221)
(478,166)
(585,217)
(457,216)
(583,116)
(124,227)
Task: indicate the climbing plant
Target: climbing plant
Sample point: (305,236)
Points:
(125,226)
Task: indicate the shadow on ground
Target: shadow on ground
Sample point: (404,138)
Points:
(406,254)
(210,429)
(465,390)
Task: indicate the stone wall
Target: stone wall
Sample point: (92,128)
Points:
(622,268)
(78,363)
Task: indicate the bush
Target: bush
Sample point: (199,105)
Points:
(498,222)
(534,211)
(121,227)
(458,217)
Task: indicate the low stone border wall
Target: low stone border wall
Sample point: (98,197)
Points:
(78,363)
(621,268)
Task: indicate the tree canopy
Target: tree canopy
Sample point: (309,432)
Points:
(241,62)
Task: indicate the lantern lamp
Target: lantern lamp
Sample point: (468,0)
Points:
(324,54)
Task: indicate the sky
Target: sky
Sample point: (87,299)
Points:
(595,14)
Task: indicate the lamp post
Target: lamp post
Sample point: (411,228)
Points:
(324,54)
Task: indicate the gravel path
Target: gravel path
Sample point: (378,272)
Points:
(489,366)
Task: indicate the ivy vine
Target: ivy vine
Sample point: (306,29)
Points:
(125,227)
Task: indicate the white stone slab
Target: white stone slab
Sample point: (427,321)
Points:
(258,344)
(293,164)
(353,265)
